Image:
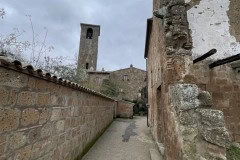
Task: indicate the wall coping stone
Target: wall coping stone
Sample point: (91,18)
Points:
(28,69)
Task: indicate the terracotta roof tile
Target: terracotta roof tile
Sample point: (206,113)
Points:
(28,69)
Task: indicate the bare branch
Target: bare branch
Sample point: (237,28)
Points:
(2,12)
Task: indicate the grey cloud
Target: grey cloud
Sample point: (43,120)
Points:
(123,26)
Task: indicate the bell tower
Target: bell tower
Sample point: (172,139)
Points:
(88,50)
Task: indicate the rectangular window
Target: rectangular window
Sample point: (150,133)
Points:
(125,77)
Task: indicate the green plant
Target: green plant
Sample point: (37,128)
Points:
(109,88)
(233,153)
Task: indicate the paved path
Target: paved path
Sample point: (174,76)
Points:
(125,139)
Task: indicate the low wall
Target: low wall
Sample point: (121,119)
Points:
(124,109)
(43,117)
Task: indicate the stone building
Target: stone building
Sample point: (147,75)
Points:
(193,105)
(129,81)
(88,50)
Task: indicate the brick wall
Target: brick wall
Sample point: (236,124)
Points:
(223,83)
(43,119)
(124,109)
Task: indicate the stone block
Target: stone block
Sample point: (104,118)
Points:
(60,126)
(188,118)
(2,148)
(41,85)
(218,135)
(17,140)
(37,150)
(13,79)
(31,83)
(3,96)
(184,96)
(34,135)
(56,154)
(56,114)
(30,116)
(44,115)
(26,99)
(212,118)
(205,99)
(9,119)
(23,153)
(46,130)
(43,99)
(12,98)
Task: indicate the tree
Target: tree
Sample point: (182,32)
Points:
(2,12)
(37,52)
(109,88)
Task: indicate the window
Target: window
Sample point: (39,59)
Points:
(125,77)
(98,80)
(87,65)
(89,33)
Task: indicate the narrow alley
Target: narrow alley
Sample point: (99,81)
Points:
(125,139)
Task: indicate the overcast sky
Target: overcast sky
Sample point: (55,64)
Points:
(123,26)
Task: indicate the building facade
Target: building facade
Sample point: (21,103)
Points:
(129,81)
(192,107)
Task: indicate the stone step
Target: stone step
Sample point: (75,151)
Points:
(155,155)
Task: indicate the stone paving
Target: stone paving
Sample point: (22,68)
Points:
(125,139)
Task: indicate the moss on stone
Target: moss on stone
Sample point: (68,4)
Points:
(233,153)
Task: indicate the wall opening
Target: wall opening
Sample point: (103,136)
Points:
(125,78)
(87,66)
(89,33)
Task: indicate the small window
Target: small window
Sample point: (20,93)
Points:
(125,77)
(98,80)
(89,33)
(87,65)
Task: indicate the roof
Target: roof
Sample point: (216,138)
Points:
(129,68)
(148,33)
(98,72)
(17,66)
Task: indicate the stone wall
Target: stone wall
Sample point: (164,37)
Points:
(88,49)
(96,79)
(209,31)
(131,87)
(187,134)
(223,84)
(124,109)
(44,117)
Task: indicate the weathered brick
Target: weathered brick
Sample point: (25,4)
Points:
(30,116)
(26,99)
(42,85)
(43,99)
(9,119)
(60,126)
(3,96)
(56,154)
(2,148)
(34,135)
(23,153)
(31,83)
(56,114)
(47,130)
(44,115)
(17,140)
(13,97)
(12,79)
